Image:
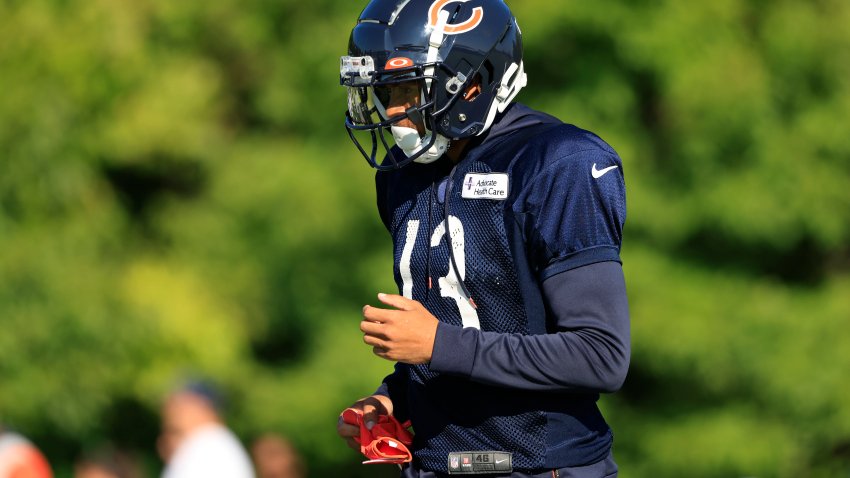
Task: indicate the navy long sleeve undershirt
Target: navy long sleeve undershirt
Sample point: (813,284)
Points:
(588,350)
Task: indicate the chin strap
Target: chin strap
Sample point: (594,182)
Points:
(434,44)
(513,80)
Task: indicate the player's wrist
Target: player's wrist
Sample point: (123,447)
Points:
(454,349)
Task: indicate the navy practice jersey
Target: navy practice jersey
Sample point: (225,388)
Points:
(478,243)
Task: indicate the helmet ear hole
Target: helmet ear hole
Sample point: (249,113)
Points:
(474,88)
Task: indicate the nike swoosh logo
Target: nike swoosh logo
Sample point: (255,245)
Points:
(501,461)
(599,173)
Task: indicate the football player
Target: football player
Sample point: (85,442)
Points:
(511,316)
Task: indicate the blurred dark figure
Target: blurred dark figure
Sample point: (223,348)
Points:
(21,459)
(275,457)
(195,443)
(108,462)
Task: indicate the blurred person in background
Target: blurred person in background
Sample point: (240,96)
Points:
(512,315)
(275,457)
(195,442)
(21,459)
(108,462)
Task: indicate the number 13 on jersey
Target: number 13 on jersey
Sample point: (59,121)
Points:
(449,284)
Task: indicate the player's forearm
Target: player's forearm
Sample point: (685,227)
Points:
(589,351)
(586,360)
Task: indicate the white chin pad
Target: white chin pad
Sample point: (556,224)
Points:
(406,138)
(410,142)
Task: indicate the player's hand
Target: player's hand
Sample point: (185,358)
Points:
(405,333)
(372,407)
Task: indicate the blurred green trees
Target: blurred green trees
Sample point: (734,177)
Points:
(178,196)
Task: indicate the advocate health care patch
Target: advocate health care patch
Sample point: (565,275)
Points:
(486,186)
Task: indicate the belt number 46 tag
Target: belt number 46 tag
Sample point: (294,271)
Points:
(479,462)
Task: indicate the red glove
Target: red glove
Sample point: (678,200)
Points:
(386,442)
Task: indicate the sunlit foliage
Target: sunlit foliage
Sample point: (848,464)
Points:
(178,197)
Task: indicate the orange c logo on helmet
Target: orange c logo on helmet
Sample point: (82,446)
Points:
(396,63)
(468,25)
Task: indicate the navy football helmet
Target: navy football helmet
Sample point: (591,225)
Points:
(442,47)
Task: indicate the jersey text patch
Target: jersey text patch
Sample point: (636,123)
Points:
(485,186)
